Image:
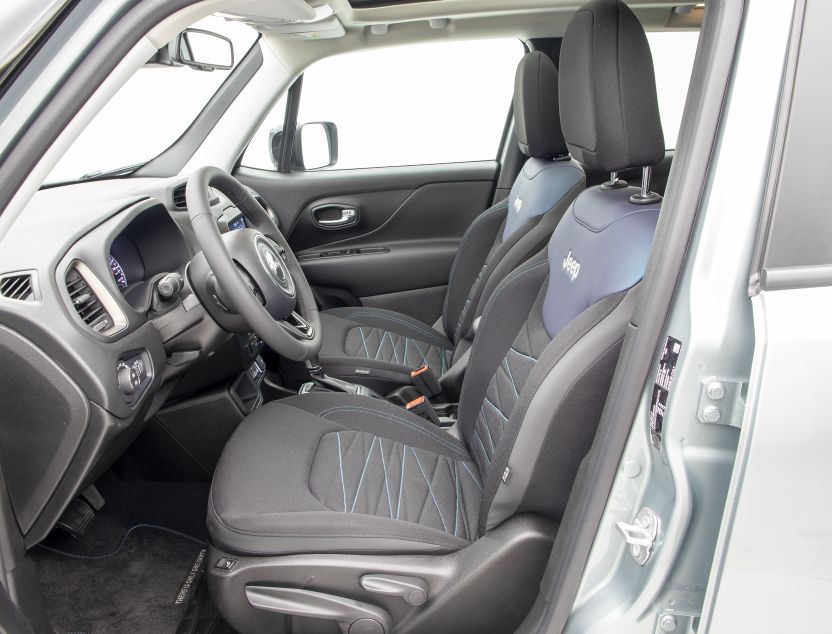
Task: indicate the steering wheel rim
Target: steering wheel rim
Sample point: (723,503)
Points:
(285,334)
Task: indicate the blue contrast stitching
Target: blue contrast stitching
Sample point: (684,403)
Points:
(488,431)
(364,341)
(419,350)
(473,477)
(485,453)
(499,411)
(341,466)
(402,421)
(522,354)
(361,479)
(386,484)
(401,481)
(511,377)
(431,335)
(430,489)
(456,492)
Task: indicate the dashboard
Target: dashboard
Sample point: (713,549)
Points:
(94,338)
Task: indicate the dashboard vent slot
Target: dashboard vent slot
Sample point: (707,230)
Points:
(92,301)
(86,303)
(18,286)
(179,197)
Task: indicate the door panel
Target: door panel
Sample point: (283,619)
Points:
(398,252)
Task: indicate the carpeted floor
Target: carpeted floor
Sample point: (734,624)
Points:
(139,567)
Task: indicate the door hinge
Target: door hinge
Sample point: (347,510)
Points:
(641,535)
(722,402)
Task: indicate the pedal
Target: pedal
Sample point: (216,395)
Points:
(93,497)
(77,518)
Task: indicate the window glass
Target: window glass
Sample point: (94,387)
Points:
(673,54)
(431,103)
(149,112)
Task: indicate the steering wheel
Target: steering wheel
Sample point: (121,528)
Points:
(255,268)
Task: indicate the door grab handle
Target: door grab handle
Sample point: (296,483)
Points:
(347,217)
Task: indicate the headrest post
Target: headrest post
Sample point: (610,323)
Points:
(645,196)
(646,176)
(614,182)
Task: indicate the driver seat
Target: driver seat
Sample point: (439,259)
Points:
(333,512)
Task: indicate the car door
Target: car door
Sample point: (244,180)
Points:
(394,153)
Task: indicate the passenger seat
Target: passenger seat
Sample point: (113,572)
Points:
(380,348)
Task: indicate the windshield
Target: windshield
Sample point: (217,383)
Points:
(149,113)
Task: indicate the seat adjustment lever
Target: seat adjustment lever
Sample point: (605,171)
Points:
(412,589)
(353,617)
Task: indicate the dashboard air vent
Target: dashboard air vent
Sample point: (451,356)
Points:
(91,300)
(179,197)
(18,286)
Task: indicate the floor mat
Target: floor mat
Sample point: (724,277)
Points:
(139,567)
(144,585)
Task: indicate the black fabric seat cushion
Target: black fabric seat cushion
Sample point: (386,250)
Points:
(384,339)
(342,473)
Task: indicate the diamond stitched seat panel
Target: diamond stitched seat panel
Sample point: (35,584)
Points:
(358,472)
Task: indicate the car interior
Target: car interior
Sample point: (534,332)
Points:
(303,396)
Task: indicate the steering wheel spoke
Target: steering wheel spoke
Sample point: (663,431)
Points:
(298,326)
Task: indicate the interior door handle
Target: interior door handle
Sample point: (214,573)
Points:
(335,216)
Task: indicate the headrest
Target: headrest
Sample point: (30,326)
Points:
(536,118)
(608,105)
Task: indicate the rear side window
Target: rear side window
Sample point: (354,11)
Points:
(673,53)
(442,102)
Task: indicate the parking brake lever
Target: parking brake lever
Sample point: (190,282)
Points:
(331,384)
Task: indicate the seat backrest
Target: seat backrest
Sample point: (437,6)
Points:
(551,333)
(511,231)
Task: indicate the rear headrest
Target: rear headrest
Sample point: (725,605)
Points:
(608,105)
(536,118)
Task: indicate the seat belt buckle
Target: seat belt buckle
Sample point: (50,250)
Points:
(421,407)
(425,381)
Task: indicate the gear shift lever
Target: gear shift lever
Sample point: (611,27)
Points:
(331,384)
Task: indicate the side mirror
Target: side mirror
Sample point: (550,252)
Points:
(203,50)
(316,145)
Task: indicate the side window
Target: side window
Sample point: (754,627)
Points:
(443,102)
(673,54)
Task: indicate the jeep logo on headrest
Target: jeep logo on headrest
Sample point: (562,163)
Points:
(571,266)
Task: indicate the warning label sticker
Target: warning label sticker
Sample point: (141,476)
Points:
(661,389)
